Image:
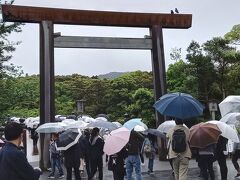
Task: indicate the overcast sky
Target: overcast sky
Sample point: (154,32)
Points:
(211,18)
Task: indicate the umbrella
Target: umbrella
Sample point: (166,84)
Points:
(1,141)
(134,122)
(103,115)
(139,128)
(118,124)
(230,104)
(51,127)
(227,131)
(179,105)
(166,126)
(204,134)
(68,121)
(156,133)
(231,118)
(116,140)
(103,124)
(67,139)
(101,119)
(77,124)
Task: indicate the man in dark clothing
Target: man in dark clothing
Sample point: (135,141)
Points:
(133,159)
(72,161)
(96,153)
(85,146)
(13,162)
(221,157)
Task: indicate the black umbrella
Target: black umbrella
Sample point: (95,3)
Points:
(68,138)
(156,133)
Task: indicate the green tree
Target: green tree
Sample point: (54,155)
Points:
(234,35)
(223,56)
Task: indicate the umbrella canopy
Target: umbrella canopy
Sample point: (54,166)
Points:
(139,128)
(118,124)
(116,140)
(156,132)
(103,124)
(231,118)
(103,115)
(230,104)
(51,127)
(1,141)
(76,124)
(179,105)
(166,126)
(68,121)
(132,123)
(101,119)
(67,139)
(204,134)
(227,131)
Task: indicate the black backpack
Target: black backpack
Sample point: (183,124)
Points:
(179,141)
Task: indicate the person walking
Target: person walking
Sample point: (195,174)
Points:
(55,158)
(179,150)
(96,153)
(72,161)
(13,162)
(116,164)
(221,156)
(205,160)
(235,156)
(133,159)
(149,148)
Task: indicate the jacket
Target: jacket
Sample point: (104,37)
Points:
(96,148)
(14,164)
(72,156)
(135,143)
(173,154)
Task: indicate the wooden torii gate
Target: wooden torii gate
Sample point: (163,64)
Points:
(47,17)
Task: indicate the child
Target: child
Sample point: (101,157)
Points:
(55,158)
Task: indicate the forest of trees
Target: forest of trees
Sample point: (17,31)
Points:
(210,71)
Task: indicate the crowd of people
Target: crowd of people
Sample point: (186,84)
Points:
(88,153)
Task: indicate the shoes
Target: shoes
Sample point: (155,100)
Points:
(150,171)
(51,177)
(61,176)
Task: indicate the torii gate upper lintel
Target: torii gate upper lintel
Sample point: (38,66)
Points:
(47,17)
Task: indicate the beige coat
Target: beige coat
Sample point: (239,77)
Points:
(173,154)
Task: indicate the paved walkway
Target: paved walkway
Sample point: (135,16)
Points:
(162,169)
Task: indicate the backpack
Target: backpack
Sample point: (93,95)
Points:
(147,150)
(179,141)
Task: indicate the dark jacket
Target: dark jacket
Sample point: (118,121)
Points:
(221,146)
(84,145)
(134,144)
(14,164)
(72,156)
(96,148)
(116,161)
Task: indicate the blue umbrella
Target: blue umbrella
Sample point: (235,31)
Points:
(179,105)
(130,124)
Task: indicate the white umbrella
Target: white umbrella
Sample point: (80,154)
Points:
(77,124)
(227,131)
(231,118)
(139,128)
(68,121)
(117,123)
(166,126)
(230,104)
(51,127)
(101,119)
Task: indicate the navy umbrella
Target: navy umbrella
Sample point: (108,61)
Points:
(179,105)
(156,132)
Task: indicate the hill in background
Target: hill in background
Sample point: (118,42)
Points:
(111,75)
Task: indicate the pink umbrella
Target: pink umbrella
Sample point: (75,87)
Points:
(116,140)
(1,141)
